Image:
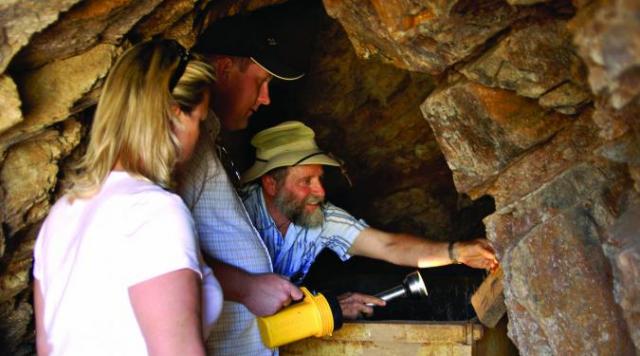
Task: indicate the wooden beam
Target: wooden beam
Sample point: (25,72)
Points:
(392,338)
(488,300)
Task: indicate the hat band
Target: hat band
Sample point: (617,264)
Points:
(297,162)
(307,157)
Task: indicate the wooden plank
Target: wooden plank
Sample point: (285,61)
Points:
(488,300)
(319,347)
(409,332)
(392,338)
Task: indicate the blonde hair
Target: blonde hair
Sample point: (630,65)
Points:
(134,119)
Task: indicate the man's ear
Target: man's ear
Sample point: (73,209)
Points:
(269,185)
(223,66)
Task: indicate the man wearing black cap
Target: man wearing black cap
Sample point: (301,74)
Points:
(245,59)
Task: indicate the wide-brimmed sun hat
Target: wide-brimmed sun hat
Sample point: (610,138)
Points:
(290,143)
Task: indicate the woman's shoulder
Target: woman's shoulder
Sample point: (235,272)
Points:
(125,189)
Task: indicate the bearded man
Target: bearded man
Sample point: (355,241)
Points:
(286,205)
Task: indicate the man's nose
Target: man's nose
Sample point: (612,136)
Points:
(263,95)
(317,189)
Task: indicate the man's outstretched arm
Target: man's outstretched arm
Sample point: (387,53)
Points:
(411,250)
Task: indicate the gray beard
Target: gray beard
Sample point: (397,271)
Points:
(294,210)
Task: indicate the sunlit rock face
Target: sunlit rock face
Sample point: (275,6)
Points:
(533,103)
(535,109)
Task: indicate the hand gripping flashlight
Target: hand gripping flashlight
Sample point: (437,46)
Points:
(316,315)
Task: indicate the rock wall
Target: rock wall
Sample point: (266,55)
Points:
(537,106)
(54,56)
(532,102)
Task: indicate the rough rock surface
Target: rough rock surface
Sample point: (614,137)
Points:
(84,26)
(426,37)
(50,92)
(9,103)
(565,289)
(29,174)
(606,34)
(481,130)
(20,19)
(535,59)
(563,182)
(624,250)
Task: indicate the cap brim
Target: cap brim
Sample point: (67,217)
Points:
(276,68)
(287,159)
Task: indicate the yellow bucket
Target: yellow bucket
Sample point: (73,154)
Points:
(312,316)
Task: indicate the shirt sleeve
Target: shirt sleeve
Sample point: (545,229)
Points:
(160,238)
(340,230)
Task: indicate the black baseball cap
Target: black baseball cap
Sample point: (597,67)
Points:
(245,37)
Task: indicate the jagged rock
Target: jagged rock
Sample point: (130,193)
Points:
(481,130)
(17,277)
(29,172)
(523,329)
(581,184)
(162,18)
(49,93)
(183,31)
(534,58)
(563,292)
(607,38)
(82,28)
(20,19)
(9,103)
(16,313)
(614,123)
(568,147)
(566,98)
(420,37)
(624,251)
(16,320)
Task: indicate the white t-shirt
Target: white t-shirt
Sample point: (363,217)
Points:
(89,252)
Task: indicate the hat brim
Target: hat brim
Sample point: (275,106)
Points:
(276,68)
(287,159)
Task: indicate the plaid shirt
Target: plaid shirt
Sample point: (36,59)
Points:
(293,255)
(227,235)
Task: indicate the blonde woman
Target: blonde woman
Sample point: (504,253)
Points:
(117,265)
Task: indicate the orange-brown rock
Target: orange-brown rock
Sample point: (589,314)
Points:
(426,37)
(536,60)
(481,130)
(607,37)
(571,145)
(563,292)
(84,26)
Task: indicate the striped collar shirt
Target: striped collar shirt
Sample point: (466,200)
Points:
(293,255)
